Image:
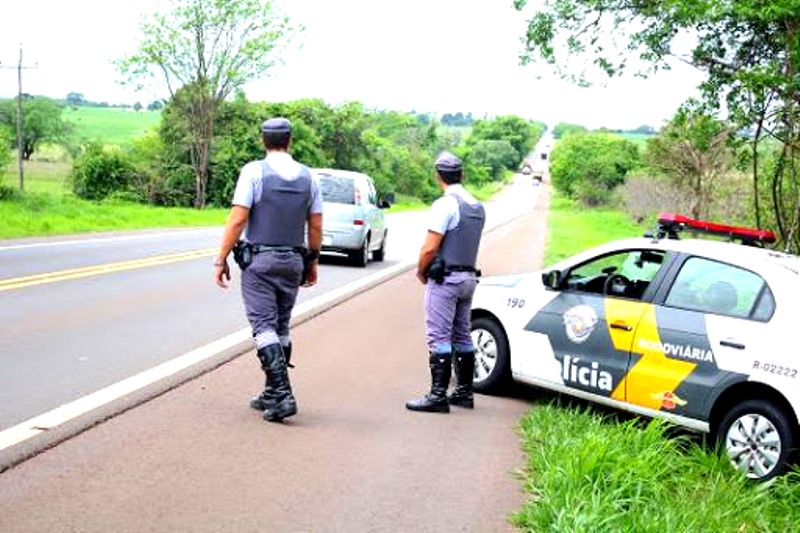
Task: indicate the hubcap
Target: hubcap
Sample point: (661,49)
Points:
(485,353)
(753,445)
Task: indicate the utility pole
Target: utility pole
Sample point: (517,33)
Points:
(19,118)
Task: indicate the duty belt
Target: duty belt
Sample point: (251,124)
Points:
(449,269)
(259,248)
(460,268)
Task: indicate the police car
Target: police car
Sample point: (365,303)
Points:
(695,330)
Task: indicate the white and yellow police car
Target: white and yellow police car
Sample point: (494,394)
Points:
(695,330)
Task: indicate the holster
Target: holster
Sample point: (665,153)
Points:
(307,260)
(243,254)
(436,271)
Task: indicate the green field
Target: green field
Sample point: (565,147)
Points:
(110,125)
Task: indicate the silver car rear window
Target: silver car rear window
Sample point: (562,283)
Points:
(337,190)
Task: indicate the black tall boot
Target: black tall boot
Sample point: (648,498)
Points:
(464,365)
(283,404)
(266,399)
(436,400)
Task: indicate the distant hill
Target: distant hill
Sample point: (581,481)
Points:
(110,125)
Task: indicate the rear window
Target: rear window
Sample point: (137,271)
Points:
(337,190)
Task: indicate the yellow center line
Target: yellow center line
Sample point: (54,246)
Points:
(96,270)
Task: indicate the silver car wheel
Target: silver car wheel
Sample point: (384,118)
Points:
(485,353)
(753,444)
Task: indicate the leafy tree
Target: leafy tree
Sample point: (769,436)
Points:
(42,122)
(748,49)
(494,155)
(76,99)
(696,150)
(99,172)
(562,129)
(588,166)
(207,48)
(521,134)
(5,152)
(155,105)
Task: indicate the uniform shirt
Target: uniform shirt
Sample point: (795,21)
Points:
(445,214)
(248,187)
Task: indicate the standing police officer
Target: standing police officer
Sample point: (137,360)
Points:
(446,266)
(274,200)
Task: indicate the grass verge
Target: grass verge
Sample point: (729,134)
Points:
(39,214)
(593,472)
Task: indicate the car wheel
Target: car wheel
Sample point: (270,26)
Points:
(758,438)
(380,253)
(360,257)
(492,357)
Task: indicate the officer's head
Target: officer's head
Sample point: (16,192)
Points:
(276,133)
(448,166)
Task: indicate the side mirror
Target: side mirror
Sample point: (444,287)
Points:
(552,279)
(386,200)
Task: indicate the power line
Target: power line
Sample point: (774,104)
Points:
(19,68)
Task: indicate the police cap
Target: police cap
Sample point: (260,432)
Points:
(447,162)
(276,125)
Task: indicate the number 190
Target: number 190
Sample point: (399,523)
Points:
(516,302)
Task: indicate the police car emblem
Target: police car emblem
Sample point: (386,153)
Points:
(579,323)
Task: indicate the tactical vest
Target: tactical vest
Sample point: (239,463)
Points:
(279,217)
(460,244)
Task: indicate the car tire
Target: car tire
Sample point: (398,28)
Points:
(360,257)
(758,438)
(380,253)
(492,356)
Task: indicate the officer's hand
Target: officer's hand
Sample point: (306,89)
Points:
(222,273)
(422,278)
(312,275)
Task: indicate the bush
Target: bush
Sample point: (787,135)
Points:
(98,172)
(589,166)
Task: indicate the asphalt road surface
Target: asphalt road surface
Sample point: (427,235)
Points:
(80,315)
(196,458)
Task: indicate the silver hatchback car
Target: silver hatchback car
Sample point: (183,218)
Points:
(353,222)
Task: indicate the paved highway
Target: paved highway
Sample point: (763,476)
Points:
(78,314)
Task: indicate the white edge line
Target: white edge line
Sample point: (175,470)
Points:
(64,413)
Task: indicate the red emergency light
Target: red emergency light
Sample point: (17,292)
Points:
(670,224)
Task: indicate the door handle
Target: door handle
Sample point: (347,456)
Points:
(620,325)
(731,344)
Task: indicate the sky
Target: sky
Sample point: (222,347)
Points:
(427,56)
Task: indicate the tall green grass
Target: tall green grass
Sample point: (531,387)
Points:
(592,472)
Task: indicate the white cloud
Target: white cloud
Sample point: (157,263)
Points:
(425,55)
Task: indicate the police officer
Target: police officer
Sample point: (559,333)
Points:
(446,266)
(275,200)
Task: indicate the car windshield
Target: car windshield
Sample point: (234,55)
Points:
(338,190)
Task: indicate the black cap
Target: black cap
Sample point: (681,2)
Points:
(447,162)
(276,125)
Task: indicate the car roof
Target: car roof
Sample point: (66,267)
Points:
(339,173)
(729,252)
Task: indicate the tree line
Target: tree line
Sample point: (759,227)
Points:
(396,149)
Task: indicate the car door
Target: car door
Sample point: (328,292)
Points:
(591,323)
(373,213)
(700,338)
